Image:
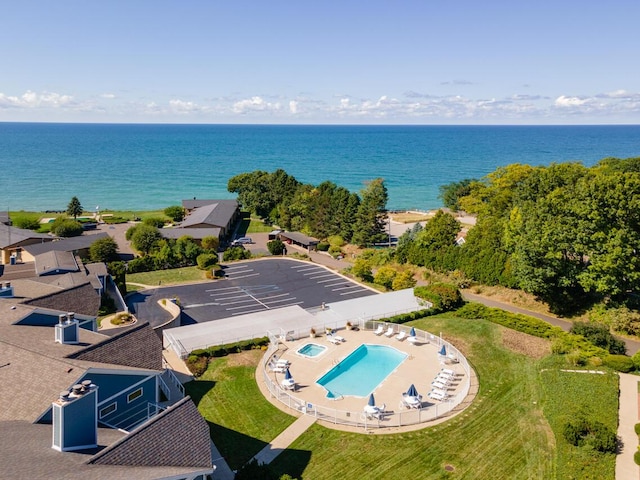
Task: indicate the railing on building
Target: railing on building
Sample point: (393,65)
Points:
(392,418)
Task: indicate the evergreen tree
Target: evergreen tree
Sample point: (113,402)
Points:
(74,209)
(371,219)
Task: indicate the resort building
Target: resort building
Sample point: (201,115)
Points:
(13,242)
(78,404)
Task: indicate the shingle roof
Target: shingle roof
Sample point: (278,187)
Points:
(299,237)
(10,236)
(4,218)
(138,346)
(214,215)
(177,437)
(55,261)
(191,204)
(70,244)
(195,233)
(80,299)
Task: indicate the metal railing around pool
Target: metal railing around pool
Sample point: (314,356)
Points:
(391,418)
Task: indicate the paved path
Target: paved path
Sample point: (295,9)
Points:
(632,345)
(286,438)
(626,468)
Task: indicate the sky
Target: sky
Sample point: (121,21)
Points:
(421,62)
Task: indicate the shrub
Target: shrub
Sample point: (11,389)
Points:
(26,223)
(335,250)
(636,359)
(583,431)
(385,276)
(104,250)
(63,227)
(210,243)
(107,305)
(154,222)
(323,246)
(236,253)
(636,427)
(206,260)
(403,280)
(620,363)
(336,241)
(443,296)
(636,457)
(197,365)
(600,336)
(362,269)
(275,247)
(140,264)
(175,213)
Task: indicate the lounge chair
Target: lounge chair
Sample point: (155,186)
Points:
(440,385)
(448,372)
(277,368)
(437,395)
(402,335)
(282,361)
(334,340)
(390,332)
(379,330)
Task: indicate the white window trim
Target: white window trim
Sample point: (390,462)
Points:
(102,415)
(129,399)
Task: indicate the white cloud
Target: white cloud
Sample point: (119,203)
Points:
(255,104)
(108,96)
(293,106)
(34,100)
(564,101)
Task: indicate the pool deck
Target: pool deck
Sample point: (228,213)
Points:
(419,368)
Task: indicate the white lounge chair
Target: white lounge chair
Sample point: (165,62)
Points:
(277,368)
(390,332)
(334,340)
(402,335)
(440,385)
(448,371)
(437,395)
(379,330)
(282,361)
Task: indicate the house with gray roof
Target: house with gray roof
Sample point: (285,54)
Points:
(79,245)
(220,214)
(78,404)
(13,242)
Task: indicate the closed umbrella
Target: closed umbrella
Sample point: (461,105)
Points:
(287,374)
(443,351)
(372,401)
(412,392)
(413,332)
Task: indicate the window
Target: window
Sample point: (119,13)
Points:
(109,409)
(133,395)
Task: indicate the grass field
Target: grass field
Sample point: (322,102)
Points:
(166,277)
(504,434)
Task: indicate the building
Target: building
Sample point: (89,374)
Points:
(78,404)
(13,242)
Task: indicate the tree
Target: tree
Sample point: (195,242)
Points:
(451,193)
(385,276)
(275,247)
(74,208)
(145,238)
(175,213)
(104,250)
(371,219)
(26,223)
(434,241)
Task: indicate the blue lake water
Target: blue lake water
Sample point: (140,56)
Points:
(140,166)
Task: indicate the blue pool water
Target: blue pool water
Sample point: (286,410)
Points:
(311,350)
(362,371)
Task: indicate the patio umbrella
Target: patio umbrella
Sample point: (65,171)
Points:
(287,374)
(412,392)
(443,351)
(413,332)
(372,401)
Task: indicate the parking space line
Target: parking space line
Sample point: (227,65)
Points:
(197,305)
(220,299)
(308,267)
(281,300)
(346,288)
(243,306)
(323,276)
(244,276)
(235,267)
(238,301)
(332,279)
(222,289)
(341,282)
(353,291)
(315,272)
(275,296)
(296,267)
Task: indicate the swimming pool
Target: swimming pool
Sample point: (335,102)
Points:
(311,350)
(362,371)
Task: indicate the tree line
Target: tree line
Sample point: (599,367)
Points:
(317,210)
(566,233)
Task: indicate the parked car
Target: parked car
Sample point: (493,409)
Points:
(241,241)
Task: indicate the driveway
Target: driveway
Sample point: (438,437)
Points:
(249,287)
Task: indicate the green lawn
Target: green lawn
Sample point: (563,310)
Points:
(504,434)
(167,277)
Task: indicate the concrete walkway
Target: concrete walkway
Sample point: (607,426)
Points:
(286,438)
(626,468)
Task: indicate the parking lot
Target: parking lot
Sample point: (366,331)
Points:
(250,287)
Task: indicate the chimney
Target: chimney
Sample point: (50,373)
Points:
(6,290)
(68,329)
(75,418)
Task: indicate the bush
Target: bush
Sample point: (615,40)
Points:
(636,427)
(140,264)
(636,457)
(104,250)
(362,269)
(600,336)
(620,363)
(63,227)
(583,431)
(236,253)
(443,296)
(175,213)
(197,365)
(206,260)
(336,241)
(154,222)
(210,243)
(385,276)
(275,247)
(636,359)
(25,223)
(322,246)
(403,280)
(107,305)
(335,250)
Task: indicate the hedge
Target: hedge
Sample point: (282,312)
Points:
(201,356)
(443,296)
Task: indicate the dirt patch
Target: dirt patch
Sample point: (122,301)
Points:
(528,345)
(410,217)
(246,358)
